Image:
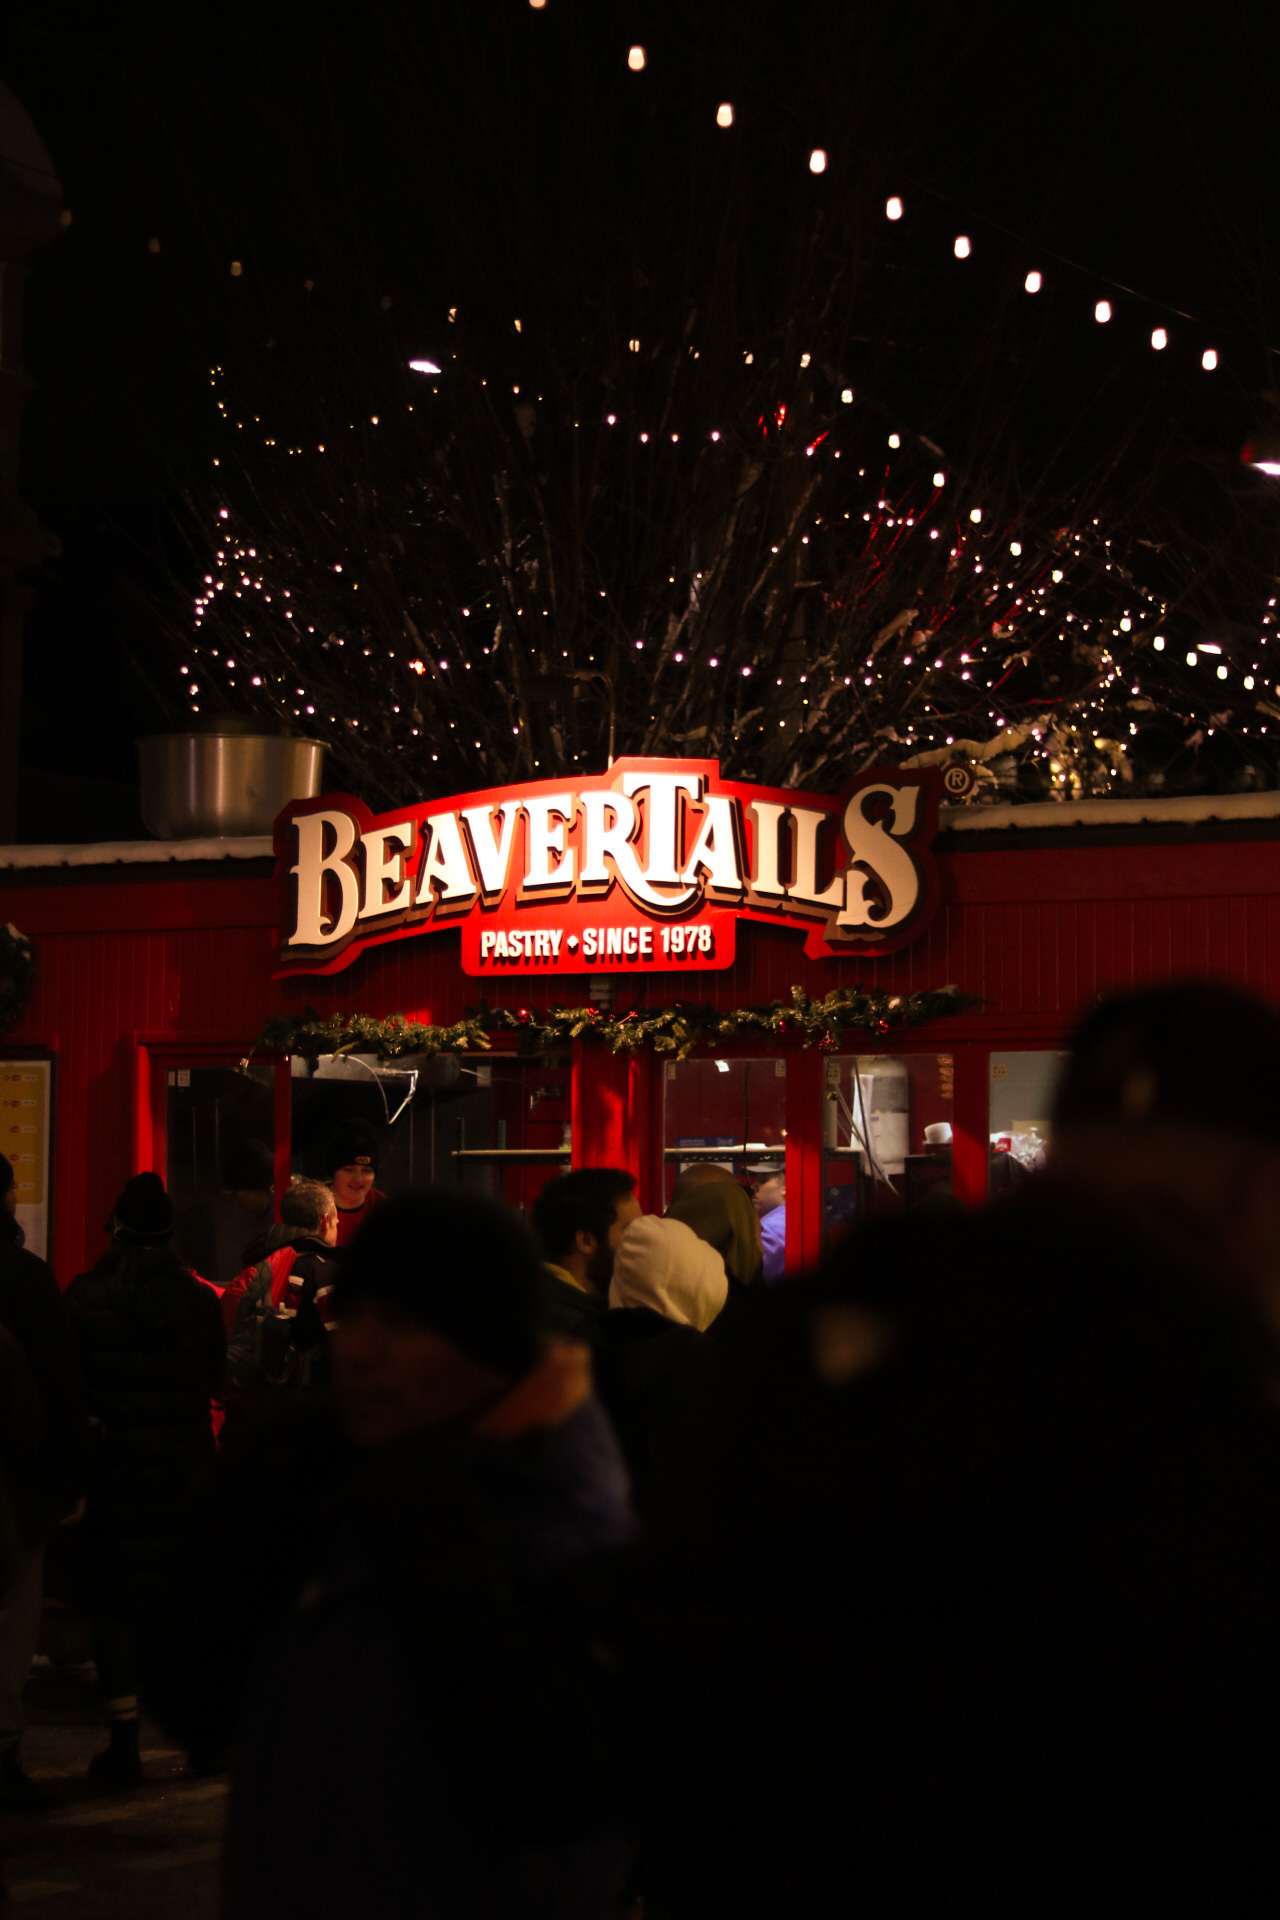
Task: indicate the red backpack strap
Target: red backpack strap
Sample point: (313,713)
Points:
(281,1264)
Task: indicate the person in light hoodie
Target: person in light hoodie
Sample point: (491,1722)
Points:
(653,1358)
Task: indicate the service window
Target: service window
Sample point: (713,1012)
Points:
(496,1123)
(732,1112)
(219,1128)
(886,1135)
(1022,1090)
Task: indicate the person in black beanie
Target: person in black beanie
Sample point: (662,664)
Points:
(430,1707)
(351,1169)
(55,1474)
(152,1347)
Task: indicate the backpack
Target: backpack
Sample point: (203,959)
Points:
(260,1350)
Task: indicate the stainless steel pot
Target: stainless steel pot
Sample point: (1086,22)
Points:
(199,786)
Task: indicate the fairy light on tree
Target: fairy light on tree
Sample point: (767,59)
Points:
(697,533)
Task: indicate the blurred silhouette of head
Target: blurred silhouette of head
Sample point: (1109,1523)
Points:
(1169,1108)
(437,1305)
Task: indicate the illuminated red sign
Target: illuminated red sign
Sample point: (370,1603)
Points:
(645,869)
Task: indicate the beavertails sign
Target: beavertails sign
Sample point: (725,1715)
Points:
(645,869)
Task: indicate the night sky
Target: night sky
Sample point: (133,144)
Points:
(1126,147)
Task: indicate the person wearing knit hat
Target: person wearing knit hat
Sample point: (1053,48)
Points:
(351,1169)
(143,1214)
(152,1350)
(431,1703)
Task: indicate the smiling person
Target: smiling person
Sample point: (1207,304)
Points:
(352,1162)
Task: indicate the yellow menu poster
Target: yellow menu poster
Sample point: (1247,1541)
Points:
(25,1088)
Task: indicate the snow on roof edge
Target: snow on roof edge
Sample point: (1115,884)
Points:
(1191,808)
(135,853)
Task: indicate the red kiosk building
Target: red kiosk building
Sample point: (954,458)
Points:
(159,964)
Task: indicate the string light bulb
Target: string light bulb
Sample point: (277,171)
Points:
(963,249)
(818,160)
(1159,339)
(1034,281)
(1209,359)
(635,59)
(724,114)
(893,208)
(1102,312)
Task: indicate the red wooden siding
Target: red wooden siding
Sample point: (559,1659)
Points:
(1035,933)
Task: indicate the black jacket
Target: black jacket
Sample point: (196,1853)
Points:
(986,1536)
(651,1375)
(152,1347)
(267,1352)
(33,1311)
(568,1311)
(407,1639)
(23,1437)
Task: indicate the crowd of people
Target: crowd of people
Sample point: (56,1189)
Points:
(572,1566)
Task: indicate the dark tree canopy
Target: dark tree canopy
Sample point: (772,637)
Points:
(719,461)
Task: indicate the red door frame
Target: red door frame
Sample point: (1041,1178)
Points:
(155,1056)
(617,1107)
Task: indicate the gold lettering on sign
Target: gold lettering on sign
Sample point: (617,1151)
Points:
(876,850)
(314,927)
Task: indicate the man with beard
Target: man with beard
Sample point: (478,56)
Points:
(579,1218)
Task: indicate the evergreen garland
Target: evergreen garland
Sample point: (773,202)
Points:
(678,1029)
(17,975)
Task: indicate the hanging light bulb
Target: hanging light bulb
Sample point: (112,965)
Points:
(1033,282)
(1159,339)
(818,160)
(893,208)
(724,114)
(635,59)
(1209,359)
(963,248)
(1263,453)
(1102,312)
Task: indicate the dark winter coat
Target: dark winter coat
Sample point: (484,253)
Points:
(984,1541)
(424,1729)
(24,1435)
(568,1311)
(265,1350)
(152,1347)
(33,1311)
(651,1375)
